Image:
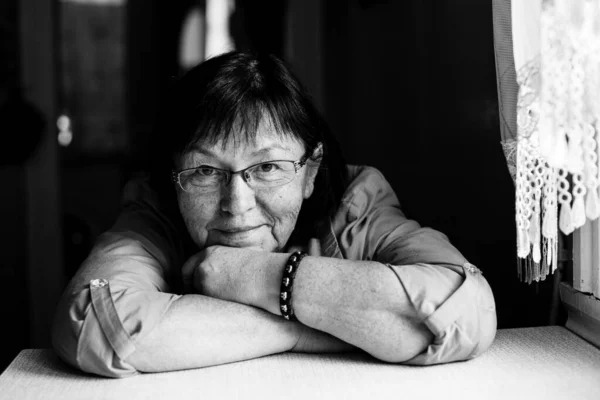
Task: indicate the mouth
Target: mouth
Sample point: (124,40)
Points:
(241,229)
(237,237)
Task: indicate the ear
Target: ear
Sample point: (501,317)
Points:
(312,169)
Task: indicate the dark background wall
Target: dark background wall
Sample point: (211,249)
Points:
(408,87)
(411,89)
(13,232)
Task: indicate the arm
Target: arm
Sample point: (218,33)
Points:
(423,303)
(362,303)
(163,331)
(202,331)
(359,302)
(135,324)
(401,294)
(420,313)
(425,314)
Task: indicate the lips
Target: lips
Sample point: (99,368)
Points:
(239,229)
(238,236)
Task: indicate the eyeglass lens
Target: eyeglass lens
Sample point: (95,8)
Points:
(267,174)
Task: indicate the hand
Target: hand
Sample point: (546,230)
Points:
(218,271)
(243,275)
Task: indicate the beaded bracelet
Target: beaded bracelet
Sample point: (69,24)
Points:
(287,282)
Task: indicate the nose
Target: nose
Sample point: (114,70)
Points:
(238,196)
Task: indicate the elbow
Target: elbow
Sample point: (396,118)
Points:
(484,321)
(417,345)
(455,318)
(407,339)
(65,331)
(468,335)
(478,322)
(78,339)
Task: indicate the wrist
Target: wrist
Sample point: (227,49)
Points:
(267,281)
(287,285)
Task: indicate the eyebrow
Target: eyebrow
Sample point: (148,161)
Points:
(268,150)
(260,152)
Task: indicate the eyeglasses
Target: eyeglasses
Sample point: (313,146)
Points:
(268,174)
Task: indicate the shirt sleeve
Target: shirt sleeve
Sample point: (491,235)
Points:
(117,296)
(450,295)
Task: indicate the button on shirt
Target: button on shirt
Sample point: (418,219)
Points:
(126,288)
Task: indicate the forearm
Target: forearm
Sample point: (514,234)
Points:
(359,302)
(362,303)
(380,309)
(199,331)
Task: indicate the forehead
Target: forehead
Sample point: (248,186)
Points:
(265,142)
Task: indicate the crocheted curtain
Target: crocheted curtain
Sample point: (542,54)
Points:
(548,68)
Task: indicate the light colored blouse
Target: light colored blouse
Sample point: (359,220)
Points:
(133,268)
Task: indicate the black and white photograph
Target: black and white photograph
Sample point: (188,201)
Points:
(300,199)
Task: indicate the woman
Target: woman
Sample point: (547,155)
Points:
(250,236)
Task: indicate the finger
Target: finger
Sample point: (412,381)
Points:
(314,247)
(187,272)
(292,249)
(188,269)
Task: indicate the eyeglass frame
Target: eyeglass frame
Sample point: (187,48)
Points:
(176,175)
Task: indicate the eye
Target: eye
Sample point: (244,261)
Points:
(204,170)
(267,167)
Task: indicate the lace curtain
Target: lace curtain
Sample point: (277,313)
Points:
(550,136)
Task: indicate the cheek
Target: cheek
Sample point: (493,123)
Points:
(196,215)
(284,208)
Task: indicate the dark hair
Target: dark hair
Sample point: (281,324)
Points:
(237,87)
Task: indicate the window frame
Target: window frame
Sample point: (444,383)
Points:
(581,297)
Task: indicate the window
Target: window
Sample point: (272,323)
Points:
(582,297)
(206,33)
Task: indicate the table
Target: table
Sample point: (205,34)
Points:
(524,363)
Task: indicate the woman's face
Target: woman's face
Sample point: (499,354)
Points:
(237,215)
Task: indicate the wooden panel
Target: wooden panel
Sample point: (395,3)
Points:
(585,258)
(12,210)
(44,243)
(584,313)
(304,47)
(586,255)
(92,76)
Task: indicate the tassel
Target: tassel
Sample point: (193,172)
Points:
(578,212)
(555,257)
(549,224)
(549,252)
(534,237)
(565,222)
(592,208)
(523,240)
(545,260)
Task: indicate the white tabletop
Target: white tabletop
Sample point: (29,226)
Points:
(525,363)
